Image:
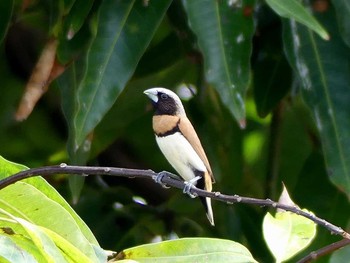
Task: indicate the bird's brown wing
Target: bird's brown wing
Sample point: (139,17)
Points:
(190,134)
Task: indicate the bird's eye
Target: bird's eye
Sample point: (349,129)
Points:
(163,96)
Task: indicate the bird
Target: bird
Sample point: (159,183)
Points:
(179,143)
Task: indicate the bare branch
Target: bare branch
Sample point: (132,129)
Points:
(170,180)
(325,250)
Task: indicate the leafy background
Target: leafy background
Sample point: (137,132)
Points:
(252,67)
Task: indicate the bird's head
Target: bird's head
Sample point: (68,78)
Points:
(165,102)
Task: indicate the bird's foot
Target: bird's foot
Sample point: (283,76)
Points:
(189,184)
(159,177)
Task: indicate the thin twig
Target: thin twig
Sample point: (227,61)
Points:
(325,250)
(170,180)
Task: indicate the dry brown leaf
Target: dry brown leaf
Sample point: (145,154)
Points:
(44,72)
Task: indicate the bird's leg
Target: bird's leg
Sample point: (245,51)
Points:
(189,184)
(159,177)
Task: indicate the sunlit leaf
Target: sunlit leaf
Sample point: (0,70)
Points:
(13,253)
(286,234)
(189,250)
(45,245)
(36,201)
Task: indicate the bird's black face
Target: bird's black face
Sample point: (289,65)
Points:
(165,105)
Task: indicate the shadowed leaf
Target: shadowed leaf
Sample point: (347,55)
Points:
(224,35)
(323,68)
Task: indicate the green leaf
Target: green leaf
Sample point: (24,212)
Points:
(6,8)
(286,234)
(293,9)
(272,74)
(8,168)
(24,200)
(189,250)
(340,255)
(76,17)
(45,245)
(342,8)
(71,253)
(36,201)
(13,253)
(124,30)
(68,84)
(323,68)
(224,36)
(22,242)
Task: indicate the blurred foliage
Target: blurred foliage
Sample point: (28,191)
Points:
(250,67)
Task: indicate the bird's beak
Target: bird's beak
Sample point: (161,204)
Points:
(152,94)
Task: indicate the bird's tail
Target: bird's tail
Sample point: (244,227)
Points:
(207,205)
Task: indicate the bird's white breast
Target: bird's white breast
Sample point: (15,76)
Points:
(180,154)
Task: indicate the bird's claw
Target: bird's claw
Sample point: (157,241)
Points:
(189,185)
(159,177)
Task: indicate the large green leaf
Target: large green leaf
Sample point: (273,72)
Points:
(5,16)
(124,30)
(293,9)
(190,250)
(8,168)
(323,68)
(343,13)
(224,35)
(36,202)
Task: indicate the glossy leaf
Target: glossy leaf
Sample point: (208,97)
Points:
(190,250)
(224,35)
(6,8)
(322,67)
(124,30)
(342,8)
(293,9)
